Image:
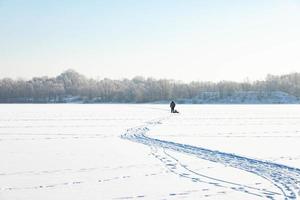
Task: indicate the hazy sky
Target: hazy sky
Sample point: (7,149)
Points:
(183,39)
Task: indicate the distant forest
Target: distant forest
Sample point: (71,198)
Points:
(71,86)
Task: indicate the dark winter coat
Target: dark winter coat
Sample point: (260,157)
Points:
(172,105)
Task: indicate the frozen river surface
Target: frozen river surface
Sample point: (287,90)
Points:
(81,152)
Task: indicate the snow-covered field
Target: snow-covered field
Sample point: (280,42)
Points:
(112,151)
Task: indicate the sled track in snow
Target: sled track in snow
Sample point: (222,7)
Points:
(285,178)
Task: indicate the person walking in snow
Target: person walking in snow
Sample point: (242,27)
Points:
(172,106)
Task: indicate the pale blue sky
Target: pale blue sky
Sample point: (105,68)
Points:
(183,39)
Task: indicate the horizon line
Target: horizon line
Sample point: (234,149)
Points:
(246,79)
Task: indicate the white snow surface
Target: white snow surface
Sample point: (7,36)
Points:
(113,151)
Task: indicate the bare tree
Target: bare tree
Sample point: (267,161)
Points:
(71,84)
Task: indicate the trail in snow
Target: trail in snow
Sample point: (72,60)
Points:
(285,178)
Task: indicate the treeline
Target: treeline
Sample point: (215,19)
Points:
(72,86)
